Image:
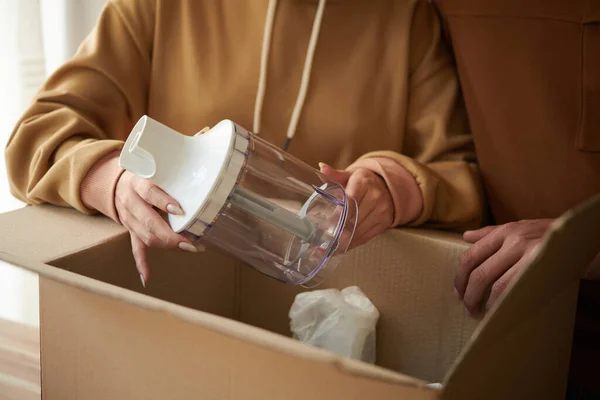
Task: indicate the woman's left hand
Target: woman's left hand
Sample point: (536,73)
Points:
(375,204)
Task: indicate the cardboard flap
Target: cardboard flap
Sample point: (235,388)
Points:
(36,233)
(545,290)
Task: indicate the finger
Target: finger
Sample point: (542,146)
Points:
(143,234)
(368,218)
(473,256)
(375,206)
(125,217)
(477,235)
(203,131)
(369,235)
(340,177)
(378,200)
(154,231)
(367,208)
(359,234)
(138,248)
(357,188)
(505,280)
(154,196)
(482,277)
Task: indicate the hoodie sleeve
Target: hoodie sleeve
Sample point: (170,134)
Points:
(438,149)
(82,114)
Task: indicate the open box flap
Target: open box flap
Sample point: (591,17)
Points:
(547,286)
(45,233)
(77,232)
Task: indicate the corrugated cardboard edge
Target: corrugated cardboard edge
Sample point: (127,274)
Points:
(33,230)
(224,326)
(584,219)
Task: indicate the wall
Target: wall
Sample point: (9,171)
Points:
(52,31)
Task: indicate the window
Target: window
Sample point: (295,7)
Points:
(37,37)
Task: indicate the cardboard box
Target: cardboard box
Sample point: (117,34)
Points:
(104,337)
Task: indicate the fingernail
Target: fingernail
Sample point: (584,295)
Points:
(188,247)
(143,281)
(173,209)
(204,130)
(321,165)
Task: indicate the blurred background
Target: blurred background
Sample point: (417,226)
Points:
(36,37)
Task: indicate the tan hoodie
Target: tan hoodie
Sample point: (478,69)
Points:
(530,71)
(345,79)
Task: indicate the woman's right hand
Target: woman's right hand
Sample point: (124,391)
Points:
(135,199)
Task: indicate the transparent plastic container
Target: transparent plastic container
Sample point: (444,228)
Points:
(248,198)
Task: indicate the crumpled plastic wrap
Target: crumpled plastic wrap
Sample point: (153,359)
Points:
(342,322)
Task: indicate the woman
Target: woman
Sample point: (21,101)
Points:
(364,87)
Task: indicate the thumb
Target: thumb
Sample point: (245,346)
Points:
(339,176)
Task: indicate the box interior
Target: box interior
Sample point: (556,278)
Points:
(422,327)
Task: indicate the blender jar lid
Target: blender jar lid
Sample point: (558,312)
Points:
(200,172)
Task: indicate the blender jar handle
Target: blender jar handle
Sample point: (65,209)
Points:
(150,149)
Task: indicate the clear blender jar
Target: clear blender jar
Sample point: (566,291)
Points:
(247,197)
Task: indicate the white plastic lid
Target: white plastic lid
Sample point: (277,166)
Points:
(200,172)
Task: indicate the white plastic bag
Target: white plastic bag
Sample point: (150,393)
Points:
(341,322)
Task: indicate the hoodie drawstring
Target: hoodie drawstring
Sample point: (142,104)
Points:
(304,83)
